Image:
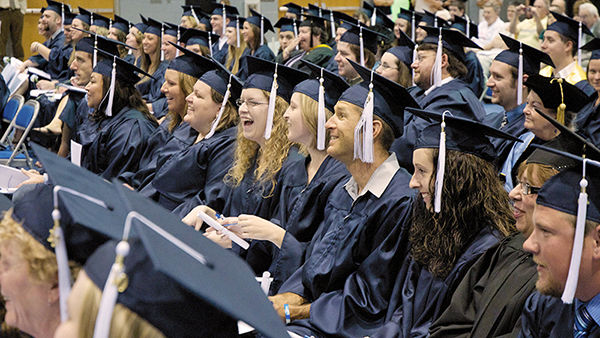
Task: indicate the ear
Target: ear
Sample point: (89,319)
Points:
(53,294)
(444,60)
(377,128)
(595,235)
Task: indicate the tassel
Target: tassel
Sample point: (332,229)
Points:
(271,110)
(265,282)
(262,30)
(129,50)
(562,107)
(110,22)
(413,60)
(62,15)
(520,76)
(374,17)
(178,37)
(295,31)
(162,34)
(441,166)
(362,49)
(579,37)
(573,276)
(412,29)
(95,50)
(437,66)
(468,28)
(210,43)
(111,90)
(57,240)
(115,283)
(364,150)
(224,21)
(194,15)
(332,24)
(321,115)
(237,31)
(435,23)
(213,128)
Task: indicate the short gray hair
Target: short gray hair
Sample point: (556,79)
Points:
(588,6)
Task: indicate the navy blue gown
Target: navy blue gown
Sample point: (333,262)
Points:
(150,89)
(587,122)
(194,173)
(53,43)
(220,54)
(352,260)
(474,78)
(58,67)
(263,52)
(118,143)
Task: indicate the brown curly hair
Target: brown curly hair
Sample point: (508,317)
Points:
(269,158)
(473,198)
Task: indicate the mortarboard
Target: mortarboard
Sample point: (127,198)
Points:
(262,22)
(191,278)
(524,58)
(84,15)
(192,36)
(404,51)
(89,45)
(594,47)
(100,21)
(291,7)
(325,87)
(277,79)
(311,20)
(237,22)
(432,20)
(557,93)
(362,37)
(459,134)
(224,10)
(344,20)
(413,18)
(190,10)
(69,16)
(171,29)
(378,96)
(143,25)
(188,63)
(570,29)
(121,24)
(462,24)
(58,7)
(287,25)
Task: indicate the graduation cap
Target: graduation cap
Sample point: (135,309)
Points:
(58,7)
(459,134)
(192,36)
(100,20)
(325,87)
(571,29)
(344,20)
(69,18)
(287,25)
(88,44)
(172,29)
(594,47)
(237,22)
(191,277)
(405,49)
(378,96)
(291,7)
(465,25)
(557,93)
(84,15)
(277,79)
(567,192)
(413,18)
(260,21)
(121,24)
(362,37)
(190,10)
(225,10)
(454,41)
(432,20)
(143,25)
(311,20)
(188,63)
(524,58)
(117,69)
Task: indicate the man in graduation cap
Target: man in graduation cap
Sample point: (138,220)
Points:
(344,286)
(313,39)
(52,18)
(292,10)
(562,41)
(219,20)
(475,77)
(439,87)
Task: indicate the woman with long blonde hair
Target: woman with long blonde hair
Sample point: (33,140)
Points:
(134,38)
(152,63)
(256,44)
(236,47)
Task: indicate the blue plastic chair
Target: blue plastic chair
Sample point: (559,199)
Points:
(22,122)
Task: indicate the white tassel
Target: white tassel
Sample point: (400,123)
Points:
(178,38)
(468,28)
(435,23)
(412,29)
(210,43)
(437,65)
(413,60)
(271,110)
(265,282)
(573,276)
(332,24)
(520,76)
(374,17)
(213,128)
(62,15)
(262,30)
(194,15)
(111,90)
(321,115)
(441,166)
(579,38)
(95,50)
(162,34)
(237,31)
(62,260)
(363,146)
(224,22)
(362,48)
(110,292)
(110,22)
(295,31)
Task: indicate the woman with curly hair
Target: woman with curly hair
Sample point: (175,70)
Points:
(116,134)
(461,211)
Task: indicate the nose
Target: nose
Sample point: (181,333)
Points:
(530,245)
(415,64)
(163,88)
(379,69)
(330,124)
(413,184)
(490,83)
(515,193)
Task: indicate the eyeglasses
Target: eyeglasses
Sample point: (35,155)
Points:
(527,189)
(249,103)
(386,67)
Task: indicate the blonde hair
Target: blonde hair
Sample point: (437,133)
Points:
(270,157)
(72,56)
(233,56)
(230,114)
(150,63)
(102,31)
(124,323)
(41,261)
(192,21)
(186,85)
(309,108)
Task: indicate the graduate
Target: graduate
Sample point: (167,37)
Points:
(562,43)
(198,41)
(173,135)
(406,22)
(395,62)
(279,244)
(586,122)
(288,31)
(255,28)
(439,86)
(212,113)
(450,227)
(312,43)
(475,77)
(135,39)
(262,149)
(344,286)
(119,128)
(236,43)
(349,48)
(219,19)
(100,24)
(564,247)
(152,62)
(171,35)
(119,31)
(190,18)
(292,11)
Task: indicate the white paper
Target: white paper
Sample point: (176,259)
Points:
(76,153)
(39,73)
(10,178)
(217,226)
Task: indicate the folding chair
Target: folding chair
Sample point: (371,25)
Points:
(22,122)
(11,108)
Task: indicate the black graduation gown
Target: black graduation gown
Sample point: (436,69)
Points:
(161,144)
(118,143)
(58,67)
(587,122)
(352,260)
(548,317)
(419,297)
(263,52)
(54,43)
(220,54)
(300,210)
(474,78)
(150,89)
(454,96)
(489,300)
(197,170)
